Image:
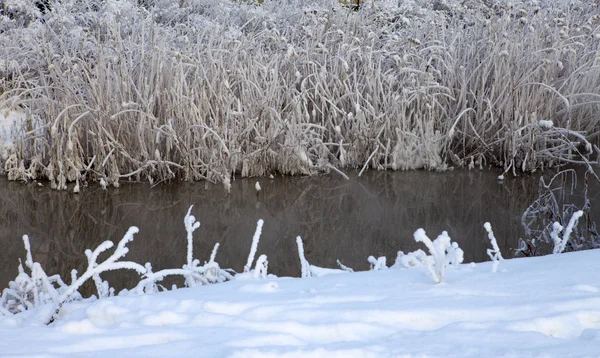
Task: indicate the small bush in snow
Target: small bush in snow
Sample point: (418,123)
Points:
(443,251)
(29,290)
(377,263)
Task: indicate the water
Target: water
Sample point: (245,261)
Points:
(375,214)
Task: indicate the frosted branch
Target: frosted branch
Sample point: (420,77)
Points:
(254,246)
(494,253)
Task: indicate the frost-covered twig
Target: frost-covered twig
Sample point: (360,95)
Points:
(344,267)
(561,244)
(377,263)
(262,266)
(110,264)
(190,226)
(304,265)
(494,253)
(254,246)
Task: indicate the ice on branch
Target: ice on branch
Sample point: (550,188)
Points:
(494,253)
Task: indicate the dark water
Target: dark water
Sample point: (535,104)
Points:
(375,214)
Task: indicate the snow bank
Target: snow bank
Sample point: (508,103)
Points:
(543,306)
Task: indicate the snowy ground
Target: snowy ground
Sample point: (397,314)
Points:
(544,306)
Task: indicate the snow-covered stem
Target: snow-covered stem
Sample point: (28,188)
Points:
(190,226)
(304,265)
(562,243)
(213,255)
(344,267)
(254,246)
(494,253)
(262,266)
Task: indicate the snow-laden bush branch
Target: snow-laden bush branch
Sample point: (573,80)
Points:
(192,272)
(561,243)
(30,290)
(307,270)
(27,291)
(304,265)
(444,253)
(377,263)
(254,246)
(95,269)
(494,253)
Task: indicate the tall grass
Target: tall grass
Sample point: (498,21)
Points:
(206,89)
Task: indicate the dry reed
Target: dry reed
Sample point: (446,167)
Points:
(205,90)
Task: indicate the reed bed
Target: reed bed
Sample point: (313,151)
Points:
(205,90)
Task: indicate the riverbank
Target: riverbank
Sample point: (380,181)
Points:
(543,306)
(207,90)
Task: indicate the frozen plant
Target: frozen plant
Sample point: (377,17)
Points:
(308,270)
(190,226)
(494,253)
(561,243)
(27,291)
(344,267)
(444,253)
(262,266)
(304,265)
(377,263)
(556,203)
(412,259)
(95,269)
(254,246)
(192,272)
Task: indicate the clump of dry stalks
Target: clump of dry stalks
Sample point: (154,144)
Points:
(202,89)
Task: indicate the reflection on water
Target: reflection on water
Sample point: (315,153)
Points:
(375,214)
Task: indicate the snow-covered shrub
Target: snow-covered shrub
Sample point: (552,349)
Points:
(193,273)
(494,253)
(558,204)
(29,290)
(443,251)
(377,263)
(94,269)
(412,259)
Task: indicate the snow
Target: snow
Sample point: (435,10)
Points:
(542,306)
(9,120)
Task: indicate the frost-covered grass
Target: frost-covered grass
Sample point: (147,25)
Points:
(201,89)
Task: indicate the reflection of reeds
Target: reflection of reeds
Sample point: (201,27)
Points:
(216,88)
